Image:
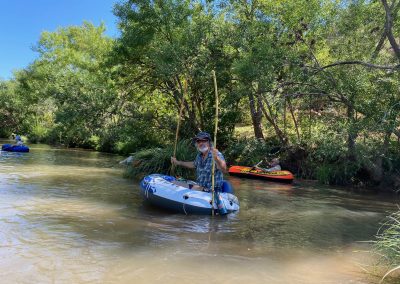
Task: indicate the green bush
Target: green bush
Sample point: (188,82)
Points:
(158,160)
(341,173)
(94,142)
(38,134)
(245,151)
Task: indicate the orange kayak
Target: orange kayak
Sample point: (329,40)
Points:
(279,176)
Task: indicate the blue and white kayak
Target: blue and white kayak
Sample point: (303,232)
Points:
(161,191)
(14,148)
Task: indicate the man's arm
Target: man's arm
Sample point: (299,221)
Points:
(189,165)
(221,164)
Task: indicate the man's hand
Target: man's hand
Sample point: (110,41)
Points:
(221,164)
(197,187)
(215,152)
(174,161)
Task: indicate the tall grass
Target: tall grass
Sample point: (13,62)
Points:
(158,160)
(387,246)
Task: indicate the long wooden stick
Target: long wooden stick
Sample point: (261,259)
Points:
(179,125)
(215,140)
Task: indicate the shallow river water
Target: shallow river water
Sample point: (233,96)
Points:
(68,216)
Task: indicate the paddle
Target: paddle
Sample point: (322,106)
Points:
(255,166)
(179,124)
(221,207)
(215,140)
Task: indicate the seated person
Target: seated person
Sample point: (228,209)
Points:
(273,166)
(18,140)
(203,163)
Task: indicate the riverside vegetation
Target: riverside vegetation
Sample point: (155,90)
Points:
(318,79)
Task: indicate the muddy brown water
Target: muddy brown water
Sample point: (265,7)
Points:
(68,216)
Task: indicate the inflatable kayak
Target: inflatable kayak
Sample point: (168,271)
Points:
(166,192)
(14,148)
(279,176)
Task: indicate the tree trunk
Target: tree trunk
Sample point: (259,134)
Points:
(294,120)
(256,116)
(271,120)
(389,26)
(284,117)
(351,134)
(191,109)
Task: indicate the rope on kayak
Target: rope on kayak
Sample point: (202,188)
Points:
(183,206)
(146,192)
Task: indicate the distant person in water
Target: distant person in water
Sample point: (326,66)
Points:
(273,166)
(203,163)
(18,140)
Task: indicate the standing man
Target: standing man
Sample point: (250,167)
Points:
(203,163)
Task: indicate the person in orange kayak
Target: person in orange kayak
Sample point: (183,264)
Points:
(203,163)
(274,166)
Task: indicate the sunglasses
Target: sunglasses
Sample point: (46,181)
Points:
(201,141)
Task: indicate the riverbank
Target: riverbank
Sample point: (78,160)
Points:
(249,152)
(303,162)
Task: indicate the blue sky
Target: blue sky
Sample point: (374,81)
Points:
(22,21)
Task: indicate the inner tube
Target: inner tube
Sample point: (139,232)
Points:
(14,148)
(166,192)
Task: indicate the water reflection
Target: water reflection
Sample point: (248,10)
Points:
(68,216)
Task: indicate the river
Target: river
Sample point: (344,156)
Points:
(68,216)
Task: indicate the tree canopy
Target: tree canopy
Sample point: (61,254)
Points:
(319,79)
